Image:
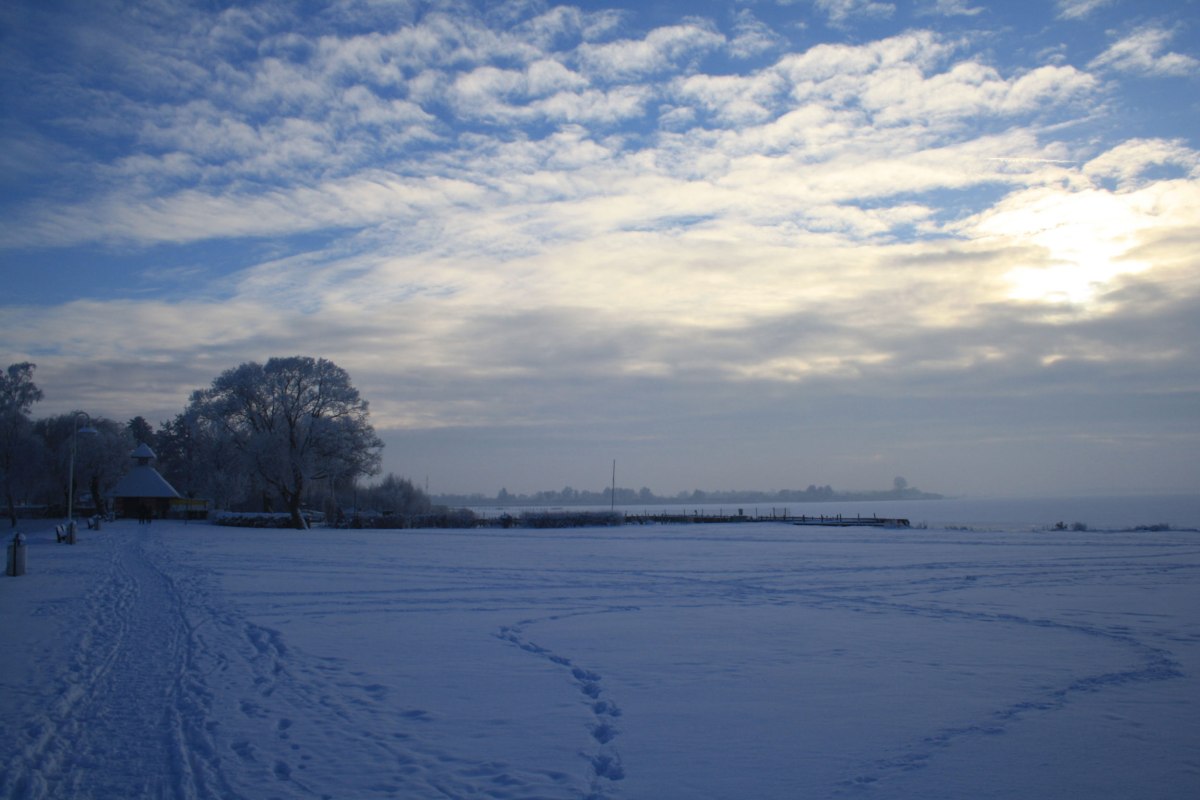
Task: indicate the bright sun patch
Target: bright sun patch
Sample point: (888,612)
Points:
(1081,241)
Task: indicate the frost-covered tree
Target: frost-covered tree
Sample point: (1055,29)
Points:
(19,450)
(199,459)
(101,457)
(396,496)
(294,421)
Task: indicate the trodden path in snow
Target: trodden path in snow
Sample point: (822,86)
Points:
(128,717)
(159,687)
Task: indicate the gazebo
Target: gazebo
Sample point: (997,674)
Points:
(142,489)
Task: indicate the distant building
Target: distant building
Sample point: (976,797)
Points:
(142,489)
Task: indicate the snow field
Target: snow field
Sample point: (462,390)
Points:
(720,661)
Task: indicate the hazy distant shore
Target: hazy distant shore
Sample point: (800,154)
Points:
(573,497)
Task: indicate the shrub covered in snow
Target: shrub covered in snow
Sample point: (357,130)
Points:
(248,519)
(569,519)
(438,517)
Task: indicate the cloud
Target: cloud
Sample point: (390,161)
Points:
(842,11)
(1141,52)
(661,49)
(824,63)
(1077,243)
(752,37)
(733,99)
(492,221)
(948,8)
(1079,9)
(1128,162)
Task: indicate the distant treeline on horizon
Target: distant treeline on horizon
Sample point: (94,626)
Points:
(627,497)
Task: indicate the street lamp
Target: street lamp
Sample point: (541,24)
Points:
(75,431)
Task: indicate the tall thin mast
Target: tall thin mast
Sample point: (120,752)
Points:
(613,498)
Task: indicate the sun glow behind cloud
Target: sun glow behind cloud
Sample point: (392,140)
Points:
(1081,241)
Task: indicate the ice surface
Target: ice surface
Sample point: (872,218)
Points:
(718,661)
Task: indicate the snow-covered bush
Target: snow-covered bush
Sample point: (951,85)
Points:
(437,517)
(248,519)
(569,519)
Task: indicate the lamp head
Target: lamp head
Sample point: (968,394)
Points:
(87,428)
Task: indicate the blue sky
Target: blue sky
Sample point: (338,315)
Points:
(728,244)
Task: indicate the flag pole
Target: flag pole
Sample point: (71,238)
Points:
(613,497)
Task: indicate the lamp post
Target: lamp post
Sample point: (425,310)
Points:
(75,431)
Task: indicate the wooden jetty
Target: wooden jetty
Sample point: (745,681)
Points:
(822,521)
(838,521)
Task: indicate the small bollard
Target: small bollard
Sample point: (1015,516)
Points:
(16,556)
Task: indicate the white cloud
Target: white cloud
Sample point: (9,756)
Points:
(823,63)
(1142,52)
(546,90)
(841,11)
(948,8)
(903,79)
(661,49)
(1128,162)
(602,107)
(734,99)
(779,152)
(1078,9)
(752,37)
(967,89)
(547,76)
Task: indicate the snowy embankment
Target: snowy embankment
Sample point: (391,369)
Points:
(722,661)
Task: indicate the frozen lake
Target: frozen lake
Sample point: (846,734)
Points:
(715,661)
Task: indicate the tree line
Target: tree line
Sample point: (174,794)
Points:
(286,435)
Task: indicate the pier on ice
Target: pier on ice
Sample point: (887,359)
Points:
(821,520)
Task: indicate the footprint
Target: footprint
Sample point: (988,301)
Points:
(605,708)
(604,733)
(608,767)
(251,709)
(416,713)
(244,750)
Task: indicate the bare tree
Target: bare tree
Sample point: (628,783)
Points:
(295,420)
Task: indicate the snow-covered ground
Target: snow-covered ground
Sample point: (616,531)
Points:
(725,661)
